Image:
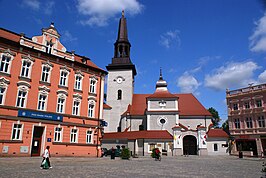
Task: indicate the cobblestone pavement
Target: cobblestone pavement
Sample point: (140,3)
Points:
(179,166)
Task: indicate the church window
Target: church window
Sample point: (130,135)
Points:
(215,147)
(162,121)
(119,94)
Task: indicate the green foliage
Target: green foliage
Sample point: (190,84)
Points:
(225,127)
(216,118)
(125,153)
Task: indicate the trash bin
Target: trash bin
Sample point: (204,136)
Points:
(240,154)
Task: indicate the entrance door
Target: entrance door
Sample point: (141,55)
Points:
(189,145)
(36,141)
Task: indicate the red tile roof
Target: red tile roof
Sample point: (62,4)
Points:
(217,133)
(9,35)
(162,94)
(106,106)
(187,103)
(144,134)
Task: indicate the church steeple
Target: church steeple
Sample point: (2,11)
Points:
(121,59)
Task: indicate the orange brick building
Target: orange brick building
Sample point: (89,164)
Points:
(48,96)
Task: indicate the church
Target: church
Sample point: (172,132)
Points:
(177,124)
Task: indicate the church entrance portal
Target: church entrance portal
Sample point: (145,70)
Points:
(189,145)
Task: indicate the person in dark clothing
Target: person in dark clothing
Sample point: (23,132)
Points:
(112,153)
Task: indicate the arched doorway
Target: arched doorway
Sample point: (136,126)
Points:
(189,145)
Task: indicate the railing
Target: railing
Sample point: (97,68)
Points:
(246,90)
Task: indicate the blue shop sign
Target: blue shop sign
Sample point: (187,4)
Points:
(40,115)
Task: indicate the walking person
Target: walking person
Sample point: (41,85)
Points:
(46,156)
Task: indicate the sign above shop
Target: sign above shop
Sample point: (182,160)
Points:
(40,115)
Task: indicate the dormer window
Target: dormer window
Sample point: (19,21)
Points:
(49,45)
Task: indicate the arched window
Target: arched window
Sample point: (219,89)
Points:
(119,94)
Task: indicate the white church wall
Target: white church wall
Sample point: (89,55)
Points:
(155,124)
(194,122)
(169,104)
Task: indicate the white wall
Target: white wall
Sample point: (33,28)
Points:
(221,149)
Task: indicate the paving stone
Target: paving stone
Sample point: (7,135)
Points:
(179,166)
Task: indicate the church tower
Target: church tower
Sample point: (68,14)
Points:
(120,82)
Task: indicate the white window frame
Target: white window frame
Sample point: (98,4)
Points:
(78,82)
(91,110)
(235,107)
(6,53)
(237,122)
(29,60)
(260,101)
(249,122)
(56,133)
(74,135)
(247,104)
(14,129)
(93,85)
(60,108)
(76,109)
(25,89)
(3,84)
(63,80)
(261,121)
(42,93)
(50,67)
(89,136)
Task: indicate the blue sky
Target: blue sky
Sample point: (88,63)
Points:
(202,46)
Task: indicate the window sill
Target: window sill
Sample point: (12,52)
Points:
(5,74)
(73,144)
(45,83)
(11,141)
(64,87)
(77,90)
(24,78)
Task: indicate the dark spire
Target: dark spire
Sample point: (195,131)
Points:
(161,76)
(161,83)
(121,59)
(122,30)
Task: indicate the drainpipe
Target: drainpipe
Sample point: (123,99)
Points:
(99,113)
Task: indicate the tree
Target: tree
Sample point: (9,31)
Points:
(225,127)
(215,116)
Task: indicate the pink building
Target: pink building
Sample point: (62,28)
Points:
(246,118)
(48,96)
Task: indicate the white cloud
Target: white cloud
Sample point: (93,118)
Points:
(49,7)
(262,77)
(232,75)
(33,4)
(68,37)
(188,83)
(100,11)
(258,38)
(170,38)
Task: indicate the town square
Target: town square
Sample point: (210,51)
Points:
(192,166)
(132,88)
